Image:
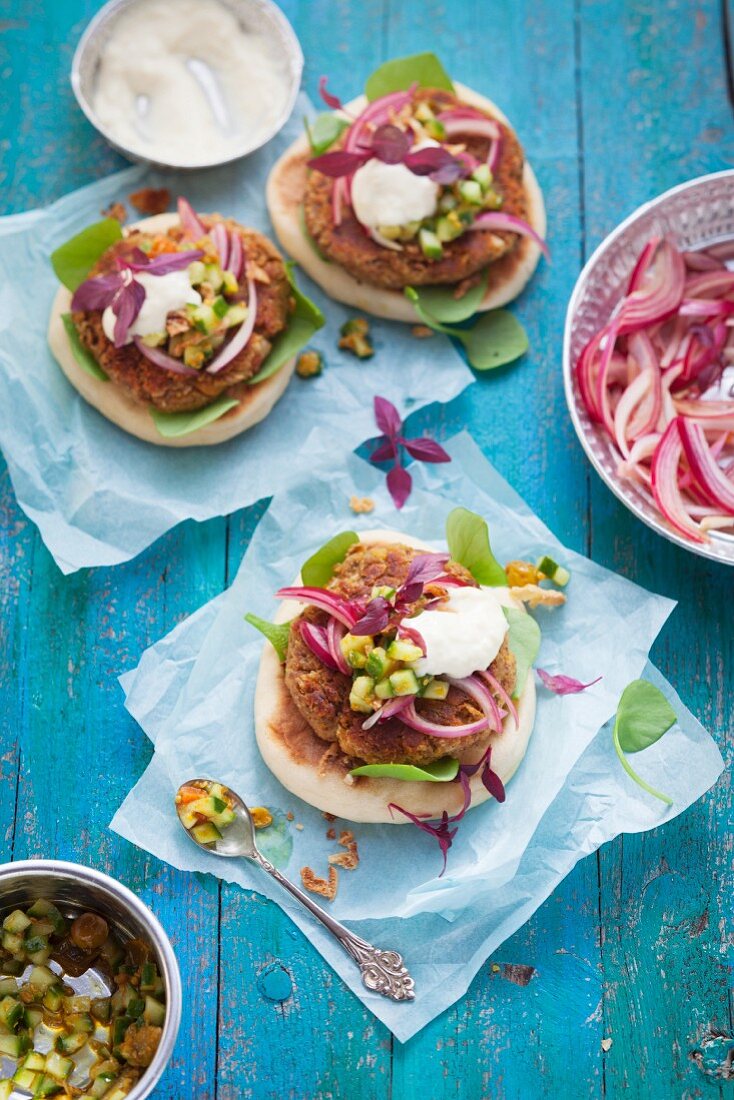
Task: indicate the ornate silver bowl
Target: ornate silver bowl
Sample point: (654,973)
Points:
(694,214)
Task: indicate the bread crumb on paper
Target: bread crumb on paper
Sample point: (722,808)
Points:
(320,886)
(261,817)
(289,815)
(536,596)
(115,210)
(606,1045)
(422,332)
(331,833)
(361,505)
(349,860)
(151,200)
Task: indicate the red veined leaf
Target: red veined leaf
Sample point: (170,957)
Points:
(330,100)
(564,685)
(399,484)
(425,449)
(339,163)
(390,144)
(387,416)
(384,451)
(97,293)
(126,307)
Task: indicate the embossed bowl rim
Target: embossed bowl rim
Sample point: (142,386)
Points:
(721,547)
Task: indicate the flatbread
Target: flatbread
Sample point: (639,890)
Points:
(307,767)
(116,404)
(285,192)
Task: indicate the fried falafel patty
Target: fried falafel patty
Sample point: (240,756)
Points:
(321,694)
(349,245)
(163,389)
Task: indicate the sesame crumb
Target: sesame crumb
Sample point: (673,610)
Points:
(316,885)
(361,505)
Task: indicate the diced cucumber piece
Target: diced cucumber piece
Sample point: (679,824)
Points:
(384,689)
(492,200)
(53,998)
(13,942)
(197,272)
(101,1009)
(135,1007)
(8,986)
(33,944)
(220,306)
(362,694)
(101,1086)
(14,966)
(383,590)
(34,1061)
(355,648)
(213,276)
(229,283)
(33,1017)
(471,192)
(553,571)
(431,247)
(6,1088)
(58,1067)
(377,663)
(148,975)
(41,908)
(70,1044)
(193,357)
(435,689)
(42,978)
(155,1012)
(119,1029)
(77,1004)
(435,129)
(204,318)
(400,650)
(483,176)
(47,1086)
(390,232)
(12,1012)
(423,112)
(447,202)
(206,833)
(119,1092)
(13,1046)
(405,682)
(26,1079)
(16,921)
(235,315)
(449,227)
(81,1023)
(40,958)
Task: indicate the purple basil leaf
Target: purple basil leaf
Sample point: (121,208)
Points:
(426,450)
(399,484)
(425,568)
(564,685)
(167,262)
(330,100)
(339,163)
(450,172)
(493,783)
(97,293)
(384,452)
(137,256)
(126,307)
(390,144)
(375,618)
(440,832)
(387,417)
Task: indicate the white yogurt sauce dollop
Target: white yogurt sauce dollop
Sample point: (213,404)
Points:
(163,293)
(390,194)
(183,82)
(462,635)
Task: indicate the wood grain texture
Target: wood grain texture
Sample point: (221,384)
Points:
(614,102)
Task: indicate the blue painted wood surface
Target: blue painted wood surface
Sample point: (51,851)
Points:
(614,102)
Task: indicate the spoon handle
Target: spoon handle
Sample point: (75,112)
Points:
(382,971)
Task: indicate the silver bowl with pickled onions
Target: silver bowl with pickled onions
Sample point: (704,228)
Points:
(648,364)
(90,993)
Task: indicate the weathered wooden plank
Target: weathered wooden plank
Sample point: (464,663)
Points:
(666,896)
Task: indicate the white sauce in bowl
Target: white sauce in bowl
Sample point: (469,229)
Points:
(462,635)
(181,81)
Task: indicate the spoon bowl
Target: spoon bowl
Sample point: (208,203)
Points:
(227,829)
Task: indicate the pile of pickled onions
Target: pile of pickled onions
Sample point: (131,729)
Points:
(659,378)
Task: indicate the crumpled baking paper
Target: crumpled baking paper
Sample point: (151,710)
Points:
(192,694)
(100,496)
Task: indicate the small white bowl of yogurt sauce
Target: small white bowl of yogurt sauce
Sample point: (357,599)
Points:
(187,83)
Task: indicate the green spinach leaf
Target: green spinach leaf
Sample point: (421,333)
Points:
(523,639)
(442,771)
(496,338)
(325,129)
(439,301)
(172,425)
(276,633)
(467,536)
(305,320)
(83,356)
(73,261)
(643,716)
(318,570)
(423,69)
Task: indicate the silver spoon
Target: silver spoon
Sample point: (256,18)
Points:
(382,971)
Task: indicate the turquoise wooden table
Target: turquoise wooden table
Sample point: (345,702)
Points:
(621,984)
